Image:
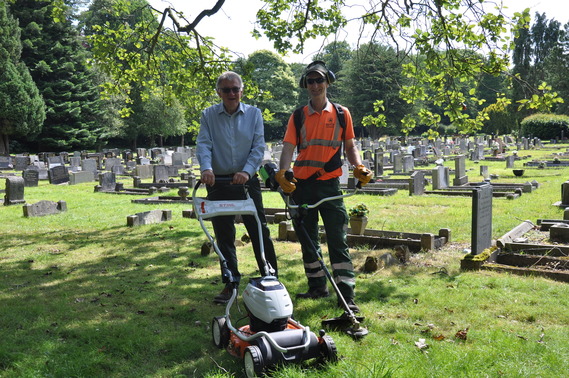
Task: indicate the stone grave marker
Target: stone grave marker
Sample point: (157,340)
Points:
(160,174)
(42,208)
(80,177)
(441,177)
(378,163)
(14,191)
(58,175)
(89,165)
(31,176)
(460,177)
(21,162)
(417,183)
(481,219)
(149,217)
(54,161)
(510,161)
(6,162)
(408,163)
(107,182)
(484,171)
(111,162)
(143,171)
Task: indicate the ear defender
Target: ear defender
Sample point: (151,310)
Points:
(317,66)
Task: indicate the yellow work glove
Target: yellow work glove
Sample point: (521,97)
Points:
(286,185)
(362,174)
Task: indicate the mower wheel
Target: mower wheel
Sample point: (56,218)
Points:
(329,352)
(219,332)
(253,361)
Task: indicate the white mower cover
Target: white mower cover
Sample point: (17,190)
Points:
(208,209)
(270,304)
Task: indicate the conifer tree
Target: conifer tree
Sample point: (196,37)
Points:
(22,110)
(56,57)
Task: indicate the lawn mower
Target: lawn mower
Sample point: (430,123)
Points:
(348,321)
(272,336)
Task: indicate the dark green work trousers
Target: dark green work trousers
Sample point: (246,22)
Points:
(335,220)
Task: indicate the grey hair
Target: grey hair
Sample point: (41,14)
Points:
(229,75)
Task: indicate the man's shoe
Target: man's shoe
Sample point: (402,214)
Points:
(350,302)
(224,296)
(314,293)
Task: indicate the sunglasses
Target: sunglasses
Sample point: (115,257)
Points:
(228,90)
(319,80)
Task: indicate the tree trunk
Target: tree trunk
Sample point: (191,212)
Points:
(4,144)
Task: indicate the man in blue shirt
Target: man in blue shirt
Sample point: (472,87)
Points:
(231,143)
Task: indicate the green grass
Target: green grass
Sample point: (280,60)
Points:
(83,295)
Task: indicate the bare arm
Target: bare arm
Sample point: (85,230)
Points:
(352,152)
(286,155)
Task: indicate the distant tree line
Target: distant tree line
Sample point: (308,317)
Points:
(57,95)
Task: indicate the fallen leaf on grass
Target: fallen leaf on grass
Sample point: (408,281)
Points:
(461,334)
(440,337)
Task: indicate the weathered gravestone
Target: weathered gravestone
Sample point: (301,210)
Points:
(481,218)
(6,162)
(149,217)
(160,174)
(417,183)
(58,175)
(31,176)
(80,177)
(441,177)
(21,162)
(42,208)
(14,191)
(89,165)
(460,177)
(107,182)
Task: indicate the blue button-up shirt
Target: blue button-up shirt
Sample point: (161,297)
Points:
(230,143)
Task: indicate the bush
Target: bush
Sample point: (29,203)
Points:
(545,126)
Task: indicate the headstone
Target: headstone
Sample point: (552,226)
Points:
(510,161)
(441,177)
(54,161)
(565,193)
(398,164)
(378,163)
(21,162)
(31,177)
(58,175)
(149,217)
(14,191)
(417,183)
(408,163)
(481,218)
(6,162)
(160,174)
(111,162)
(144,171)
(43,207)
(107,182)
(80,177)
(484,171)
(460,177)
(89,165)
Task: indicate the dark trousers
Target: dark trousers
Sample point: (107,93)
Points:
(224,226)
(335,219)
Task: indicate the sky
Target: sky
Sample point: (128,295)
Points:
(232,25)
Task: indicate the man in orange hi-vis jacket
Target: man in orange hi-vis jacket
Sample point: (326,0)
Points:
(318,134)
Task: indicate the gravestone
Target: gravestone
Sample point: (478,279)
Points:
(58,175)
(107,182)
(408,163)
(378,163)
(80,177)
(42,208)
(160,174)
(54,161)
(565,193)
(89,165)
(144,171)
(484,171)
(31,176)
(510,161)
(111,162)
(460,177)
(149,217)
(441,177)
(6,162)
(21,162)
(481,218)
(14,191)
(398,163)
(417,183)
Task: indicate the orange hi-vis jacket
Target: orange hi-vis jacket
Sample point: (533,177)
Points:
(320,138)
